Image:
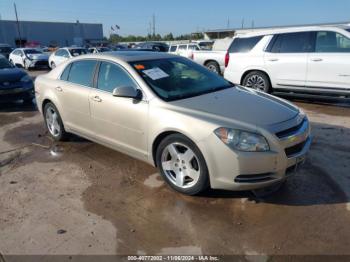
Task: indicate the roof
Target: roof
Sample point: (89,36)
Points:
(288,30)
(278,27)
(132,56)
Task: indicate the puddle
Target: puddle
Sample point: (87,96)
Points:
(56,150)
(154,181)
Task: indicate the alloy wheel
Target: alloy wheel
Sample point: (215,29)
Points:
(52,123)
(212,68)
(256,82)
(180,165)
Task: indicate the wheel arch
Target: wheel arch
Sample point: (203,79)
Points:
(255,70)
(159,138)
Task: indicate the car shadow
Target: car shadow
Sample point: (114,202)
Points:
(323,179)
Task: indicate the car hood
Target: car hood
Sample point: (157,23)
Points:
(242,105)
(38,56)
(11,74)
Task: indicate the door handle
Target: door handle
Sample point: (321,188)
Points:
(316,59)
(59,89)
(273,59)
(96,99)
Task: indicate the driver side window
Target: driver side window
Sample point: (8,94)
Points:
(111,76)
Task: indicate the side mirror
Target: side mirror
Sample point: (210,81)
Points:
(127,92)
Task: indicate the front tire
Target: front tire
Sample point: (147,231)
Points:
(53,65)
(257,80)
(54,122)
(182,165)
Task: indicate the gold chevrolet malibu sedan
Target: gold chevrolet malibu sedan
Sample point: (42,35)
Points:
(199,129)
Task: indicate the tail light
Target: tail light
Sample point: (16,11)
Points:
(227,59)
(192,56)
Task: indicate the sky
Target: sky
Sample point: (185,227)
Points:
(179,16)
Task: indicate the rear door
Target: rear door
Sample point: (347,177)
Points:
(74,89)
(286,59)
(182,50)
(118,121)
(329,65)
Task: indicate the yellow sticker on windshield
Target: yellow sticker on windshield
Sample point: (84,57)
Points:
(139,67)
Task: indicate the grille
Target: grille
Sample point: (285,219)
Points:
(290,131)
(293,150)
(41,63)
(258,178)
(11,84)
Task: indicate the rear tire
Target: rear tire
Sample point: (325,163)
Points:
(213,67)
(257,80)
(182,165)
(54,122)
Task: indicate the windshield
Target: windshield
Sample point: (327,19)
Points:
(5,49)
(31,51)
(4,63)
(77,51)
(179,78)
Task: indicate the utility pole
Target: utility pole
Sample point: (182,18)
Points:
(242,23)
(253,24)
(19,31)
(154,25)
(228,23)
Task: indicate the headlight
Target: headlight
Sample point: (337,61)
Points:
(26,78)
(242,140)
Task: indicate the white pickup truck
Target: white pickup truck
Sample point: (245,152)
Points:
(216,59)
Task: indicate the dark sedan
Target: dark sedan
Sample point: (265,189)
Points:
(15,83)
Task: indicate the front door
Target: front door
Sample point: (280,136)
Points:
(286,59)
(120,122)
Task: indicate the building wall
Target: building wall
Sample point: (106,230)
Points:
(46,33)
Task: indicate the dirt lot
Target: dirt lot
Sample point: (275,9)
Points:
(78,197)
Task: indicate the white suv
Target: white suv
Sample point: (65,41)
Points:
(312,60)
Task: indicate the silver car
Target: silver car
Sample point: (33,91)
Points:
(199,129)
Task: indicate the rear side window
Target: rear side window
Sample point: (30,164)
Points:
(193,47)
(291,43)
(81,72)
(173,48)
(65,73)
(183,47)
(111,76)
(331,42)
(244,45)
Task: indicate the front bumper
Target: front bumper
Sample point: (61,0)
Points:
(235,170)
(39,64)
(18,93)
